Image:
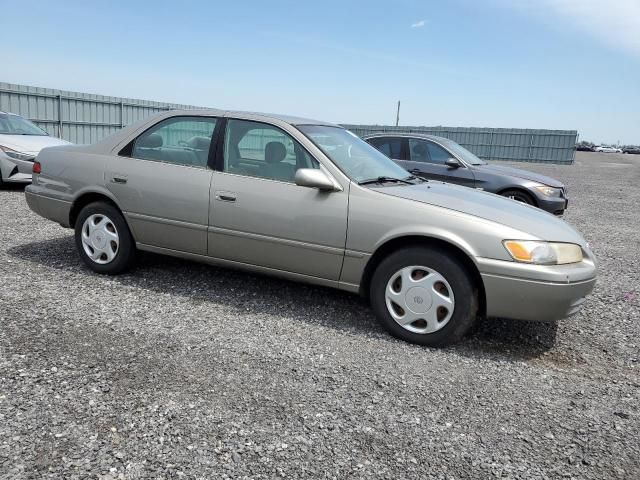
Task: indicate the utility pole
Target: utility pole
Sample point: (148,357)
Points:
(398,114)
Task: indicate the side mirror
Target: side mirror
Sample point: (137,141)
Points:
(452,163)
(314,178)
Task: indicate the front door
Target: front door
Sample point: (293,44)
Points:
(427,159)
(259,216)
(162,183)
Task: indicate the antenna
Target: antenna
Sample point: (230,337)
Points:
(398,114)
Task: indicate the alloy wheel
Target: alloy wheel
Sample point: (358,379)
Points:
(518,198)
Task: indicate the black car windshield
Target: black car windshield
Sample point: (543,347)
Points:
(356,158)
(462,152)
(15,125)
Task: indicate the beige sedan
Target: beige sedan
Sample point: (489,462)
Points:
(310,201)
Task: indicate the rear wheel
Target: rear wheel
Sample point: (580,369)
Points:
(424,296)
(519,196)
(103,239)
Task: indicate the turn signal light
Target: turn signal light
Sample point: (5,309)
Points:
(543,253)
(37,168)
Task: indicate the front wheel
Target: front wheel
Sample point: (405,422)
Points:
(103,239)
(424,296)
(519,196)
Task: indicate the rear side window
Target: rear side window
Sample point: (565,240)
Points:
(391,147)
(178,140)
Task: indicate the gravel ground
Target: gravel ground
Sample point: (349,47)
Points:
(179,370)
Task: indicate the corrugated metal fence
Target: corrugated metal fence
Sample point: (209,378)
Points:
(87,118)
(514,144)
(76,117)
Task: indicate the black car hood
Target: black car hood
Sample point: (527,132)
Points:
(519,173)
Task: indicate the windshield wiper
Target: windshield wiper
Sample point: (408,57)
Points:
(413,177)
(369,181)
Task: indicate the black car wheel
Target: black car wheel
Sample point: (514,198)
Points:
(519,196)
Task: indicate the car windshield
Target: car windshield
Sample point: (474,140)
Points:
(356,158)
(15,125)
(463,153)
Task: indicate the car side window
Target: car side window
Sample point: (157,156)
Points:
(418,150)
(261,150)
(177,140)
(438,154)
(391,147)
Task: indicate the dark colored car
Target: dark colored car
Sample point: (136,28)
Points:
(634,150)
(438,158)
(585,148)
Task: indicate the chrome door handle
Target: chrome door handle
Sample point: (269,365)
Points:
(226,196)
(120,180)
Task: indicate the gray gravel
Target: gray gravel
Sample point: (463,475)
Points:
(179,370)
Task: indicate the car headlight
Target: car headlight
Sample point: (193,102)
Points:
(16,155)
(543,253)
(549,191)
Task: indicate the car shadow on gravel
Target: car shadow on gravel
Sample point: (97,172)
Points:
(12,187)
(497,339)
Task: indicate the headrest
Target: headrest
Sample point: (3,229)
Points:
(149,141)
(199,143)
(274,152)
(420,149)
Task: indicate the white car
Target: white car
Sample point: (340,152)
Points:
(20,142)
(604,149)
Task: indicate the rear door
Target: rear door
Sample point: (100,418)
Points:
(162,182)
(392,147)
(427,159)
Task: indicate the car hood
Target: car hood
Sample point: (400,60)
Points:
(30,143)
(489,206)
(519,173)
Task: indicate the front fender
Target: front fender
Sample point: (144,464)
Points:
(428,231)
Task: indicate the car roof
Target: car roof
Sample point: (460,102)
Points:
(290,119)
(406,135)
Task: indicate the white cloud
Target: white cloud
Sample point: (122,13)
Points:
(419,24)
(614,22)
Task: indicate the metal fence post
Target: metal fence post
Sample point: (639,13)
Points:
(490,154)
(121,114)
(59,116)
(531,141)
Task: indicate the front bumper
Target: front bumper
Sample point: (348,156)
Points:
(555,205)
(15,171)
(535,292)
(18,178)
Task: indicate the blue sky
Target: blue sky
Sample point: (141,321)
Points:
(565,64)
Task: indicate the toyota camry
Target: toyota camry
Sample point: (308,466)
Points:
(310,201)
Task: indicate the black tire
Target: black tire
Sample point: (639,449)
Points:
(459,278)
(519,196)
(126,250)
